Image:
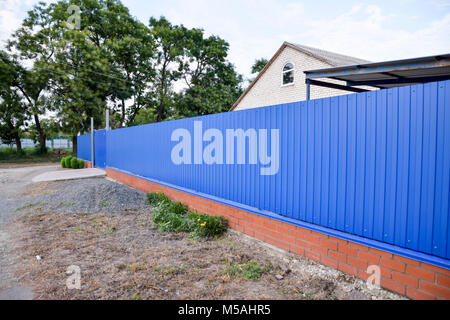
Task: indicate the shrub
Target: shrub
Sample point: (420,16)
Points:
(63,162)
(67,162)
(208,226)
(74,163)
(80,164)
(175,216)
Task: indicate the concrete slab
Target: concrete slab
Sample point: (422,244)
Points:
(70,174)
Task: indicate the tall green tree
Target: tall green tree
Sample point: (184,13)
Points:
(212,82)
(13,112)
(171,41)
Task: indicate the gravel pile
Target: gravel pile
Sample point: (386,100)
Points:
(96,195)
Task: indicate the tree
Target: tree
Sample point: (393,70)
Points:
(79,84)
(212,83)
(170,41)
(34,41)
(13,112)
(259,65)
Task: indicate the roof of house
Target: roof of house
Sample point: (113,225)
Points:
(331,58)
(334,59)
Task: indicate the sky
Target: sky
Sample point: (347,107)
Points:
(372,30)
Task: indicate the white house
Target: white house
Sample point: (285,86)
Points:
(282,80)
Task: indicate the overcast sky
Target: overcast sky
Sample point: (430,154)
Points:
(372,30)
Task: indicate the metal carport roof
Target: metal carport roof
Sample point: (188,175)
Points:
(383,75)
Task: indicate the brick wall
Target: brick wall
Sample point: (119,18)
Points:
(415,279)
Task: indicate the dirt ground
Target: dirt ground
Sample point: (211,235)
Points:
(122,256)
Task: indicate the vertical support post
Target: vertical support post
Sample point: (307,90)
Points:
(92,142)
(308,90)
(107,119)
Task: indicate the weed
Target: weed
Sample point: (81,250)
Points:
(175,216)
(105,204)
(136,266)
(248,270)
(67,204)
(29,205)
(136,296)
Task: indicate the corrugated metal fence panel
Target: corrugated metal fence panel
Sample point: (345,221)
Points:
(84,147)
(100,149)
(373,164)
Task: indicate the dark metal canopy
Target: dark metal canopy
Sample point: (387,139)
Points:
(383,75)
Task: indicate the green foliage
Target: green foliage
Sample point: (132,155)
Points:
(112,60)
(68,162)
(27,155)
(175,216)
(248,270)
(259,65)
(74,163)
(155,198)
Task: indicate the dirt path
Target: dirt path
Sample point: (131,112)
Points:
(105,229)
(12,182)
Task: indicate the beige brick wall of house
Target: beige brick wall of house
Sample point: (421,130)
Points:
(268,89)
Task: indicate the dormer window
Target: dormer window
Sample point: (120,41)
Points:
(288,74)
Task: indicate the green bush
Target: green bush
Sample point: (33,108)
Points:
(74,163)
(67,162)
(80,164)
(63,162)
(175,216)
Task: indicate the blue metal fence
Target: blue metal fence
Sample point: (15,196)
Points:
(100,148)
(374,164)
(84,147)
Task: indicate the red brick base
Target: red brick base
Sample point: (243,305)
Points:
(87,164)
(405,276)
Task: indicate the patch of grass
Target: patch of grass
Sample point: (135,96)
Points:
(105,203)
(30,155)
(77,229)
(156,198)
(84,213)
(136,296)
(136,266)
(175,216)
(29,205)
(66,204)
(248,270)
(171,270)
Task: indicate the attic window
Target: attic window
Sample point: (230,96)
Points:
(288,74)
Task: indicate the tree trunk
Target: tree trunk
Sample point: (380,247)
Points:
(18,142)
(122,118)
(42,136)
(74,146)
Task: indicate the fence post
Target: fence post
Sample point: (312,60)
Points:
(107,119)
(92,142)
